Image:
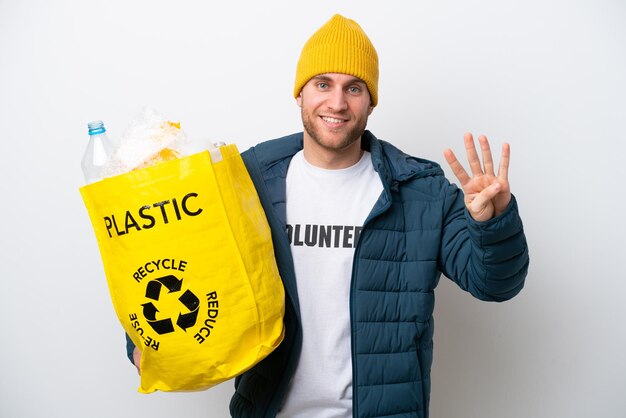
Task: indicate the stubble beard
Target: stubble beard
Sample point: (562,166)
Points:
(349,138)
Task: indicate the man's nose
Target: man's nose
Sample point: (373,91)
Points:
(337,100)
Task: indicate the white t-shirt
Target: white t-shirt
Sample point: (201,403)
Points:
(326,210)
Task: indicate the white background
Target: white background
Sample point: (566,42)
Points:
(546,76)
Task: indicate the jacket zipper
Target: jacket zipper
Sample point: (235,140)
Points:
(357,250)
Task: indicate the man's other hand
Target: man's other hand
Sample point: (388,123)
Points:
(486,195)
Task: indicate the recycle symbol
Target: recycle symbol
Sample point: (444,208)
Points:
(187,299)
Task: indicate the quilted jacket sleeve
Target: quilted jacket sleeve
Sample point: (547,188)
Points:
(130,347)
(488,259)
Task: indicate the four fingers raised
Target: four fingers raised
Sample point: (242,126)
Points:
(476,168)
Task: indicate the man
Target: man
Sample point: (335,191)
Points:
(362,233)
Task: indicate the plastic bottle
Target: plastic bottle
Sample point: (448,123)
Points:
(99,151)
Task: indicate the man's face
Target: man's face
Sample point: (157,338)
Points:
(335,108)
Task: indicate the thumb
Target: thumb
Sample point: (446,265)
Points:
(482,205)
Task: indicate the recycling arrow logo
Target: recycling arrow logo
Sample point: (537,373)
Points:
(188,300)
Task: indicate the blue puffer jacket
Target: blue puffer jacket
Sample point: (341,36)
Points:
(417,229)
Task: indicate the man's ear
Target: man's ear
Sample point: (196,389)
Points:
(299,99)
(370,110)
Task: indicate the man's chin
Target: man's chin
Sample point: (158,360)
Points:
(334,144)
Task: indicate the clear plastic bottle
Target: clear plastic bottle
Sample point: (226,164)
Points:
(99,151)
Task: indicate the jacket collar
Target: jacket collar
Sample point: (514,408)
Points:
(392,164)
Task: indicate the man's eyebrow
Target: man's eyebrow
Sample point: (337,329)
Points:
(322,78)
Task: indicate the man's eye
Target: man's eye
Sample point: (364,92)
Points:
(354,90)
(322,85)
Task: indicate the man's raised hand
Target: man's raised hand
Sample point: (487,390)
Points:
(486,195)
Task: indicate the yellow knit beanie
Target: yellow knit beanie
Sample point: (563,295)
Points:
(340,46)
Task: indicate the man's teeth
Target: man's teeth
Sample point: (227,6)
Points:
(332,120)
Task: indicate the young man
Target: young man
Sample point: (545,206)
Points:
(369,229)
(362,233)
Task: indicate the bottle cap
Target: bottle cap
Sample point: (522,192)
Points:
(96,127)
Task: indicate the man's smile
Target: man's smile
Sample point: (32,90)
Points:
(333,121)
